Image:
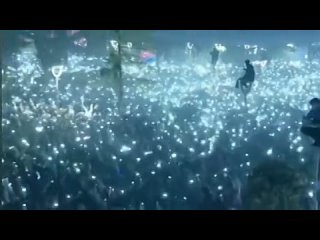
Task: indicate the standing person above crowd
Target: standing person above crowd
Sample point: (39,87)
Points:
(214,57)
(311,122)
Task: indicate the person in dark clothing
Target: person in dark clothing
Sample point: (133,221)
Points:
(214,57)
(245,82)
(114,74)
(116,63)
(117,74)
(311,122)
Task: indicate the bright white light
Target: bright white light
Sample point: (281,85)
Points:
(220,47)
(39,129)
(173,155)
(269,152)
(38,175)
(189,45)
(125,149)
(164,195)
(147,153)
(311,194)
(220,187)
(299,149)
(55,151)
(159,165)
(114,44)
(25,142)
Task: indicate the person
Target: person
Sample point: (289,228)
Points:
(116,72)
(311,122)
(116,64)
(214,57)
(247,80)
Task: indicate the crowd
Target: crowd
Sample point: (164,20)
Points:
(181,139)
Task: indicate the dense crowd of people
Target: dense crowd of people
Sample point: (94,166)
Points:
(182,138)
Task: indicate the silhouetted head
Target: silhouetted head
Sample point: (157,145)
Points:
(315,103)
(247,62)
